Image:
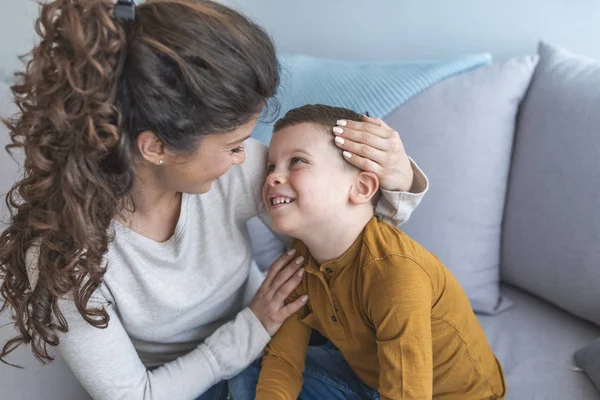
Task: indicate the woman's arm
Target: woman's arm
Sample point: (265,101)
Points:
(107,364)
(396,207)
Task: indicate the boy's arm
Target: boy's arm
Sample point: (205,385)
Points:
(398,296)
(282,365)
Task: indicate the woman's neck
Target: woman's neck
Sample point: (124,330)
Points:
(155,211)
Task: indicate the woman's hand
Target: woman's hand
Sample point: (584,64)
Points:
(268,303)
(373,146)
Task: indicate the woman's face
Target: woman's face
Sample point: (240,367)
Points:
(214,156)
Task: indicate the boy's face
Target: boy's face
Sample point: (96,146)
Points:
(307,185)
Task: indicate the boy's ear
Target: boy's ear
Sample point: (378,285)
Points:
(365,187)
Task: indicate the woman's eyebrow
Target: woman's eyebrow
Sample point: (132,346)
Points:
(238,140)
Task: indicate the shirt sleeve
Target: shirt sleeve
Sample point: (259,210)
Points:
(398,295)
(107,365)
(394,207)
(282,365)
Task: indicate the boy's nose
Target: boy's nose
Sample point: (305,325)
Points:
(275,179)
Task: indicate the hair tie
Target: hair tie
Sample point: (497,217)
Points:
(125,10)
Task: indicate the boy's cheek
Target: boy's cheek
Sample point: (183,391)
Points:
(264,194)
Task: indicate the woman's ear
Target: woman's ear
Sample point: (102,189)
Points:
(365,187)
(150,147)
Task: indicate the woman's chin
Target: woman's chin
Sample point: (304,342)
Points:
(201,189)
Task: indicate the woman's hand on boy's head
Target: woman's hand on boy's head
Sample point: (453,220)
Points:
(371,145)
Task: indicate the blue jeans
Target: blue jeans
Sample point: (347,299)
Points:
(327,376)
(217,392)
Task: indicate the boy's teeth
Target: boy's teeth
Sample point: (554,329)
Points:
(280,200)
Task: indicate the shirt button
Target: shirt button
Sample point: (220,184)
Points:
(329,270)
(333,318)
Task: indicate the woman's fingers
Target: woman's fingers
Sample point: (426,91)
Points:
(364,133)
(363,163)
(269,302)
(294,306)
(278,265)
(292,270)
(286,288)
(361,149)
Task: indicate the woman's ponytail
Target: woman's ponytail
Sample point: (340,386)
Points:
(77,167)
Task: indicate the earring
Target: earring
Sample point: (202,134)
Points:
(160,162)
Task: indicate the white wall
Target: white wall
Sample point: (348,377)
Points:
(420,29)
(383,29)
(17,35)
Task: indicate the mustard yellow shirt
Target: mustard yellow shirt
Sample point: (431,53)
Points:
(399,317)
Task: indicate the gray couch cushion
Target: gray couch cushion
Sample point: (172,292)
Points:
(588,358)
(460,132)
(551,236)
(36,381)
(535,342)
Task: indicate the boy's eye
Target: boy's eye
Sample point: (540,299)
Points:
(296,160)
(270,168)
(238,149)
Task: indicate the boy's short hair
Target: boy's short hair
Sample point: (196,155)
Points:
(316,113)
(319,114)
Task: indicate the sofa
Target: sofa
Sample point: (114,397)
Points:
(512,152)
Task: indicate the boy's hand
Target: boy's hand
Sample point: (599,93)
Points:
(373,146)
(268,303)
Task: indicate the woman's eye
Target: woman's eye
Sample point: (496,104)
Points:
(296,160)
(238,149)
(270,168)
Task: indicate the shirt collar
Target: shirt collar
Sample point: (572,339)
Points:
(331,266)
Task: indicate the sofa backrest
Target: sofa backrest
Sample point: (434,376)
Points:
(551,233)
(460,131)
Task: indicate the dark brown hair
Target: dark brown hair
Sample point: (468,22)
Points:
(183,69)
(320,114)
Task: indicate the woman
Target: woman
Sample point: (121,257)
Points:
(128,246)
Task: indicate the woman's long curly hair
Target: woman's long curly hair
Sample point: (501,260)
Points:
(182,69)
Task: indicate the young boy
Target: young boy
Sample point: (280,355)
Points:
(397,315)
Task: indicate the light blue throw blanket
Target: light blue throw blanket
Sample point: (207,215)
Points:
(375,88)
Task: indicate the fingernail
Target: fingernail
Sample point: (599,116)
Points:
(299,260)
(339,140)
(301,272)
(338,130)
(341,122)
(304,298)
(291,252)
(346,154)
